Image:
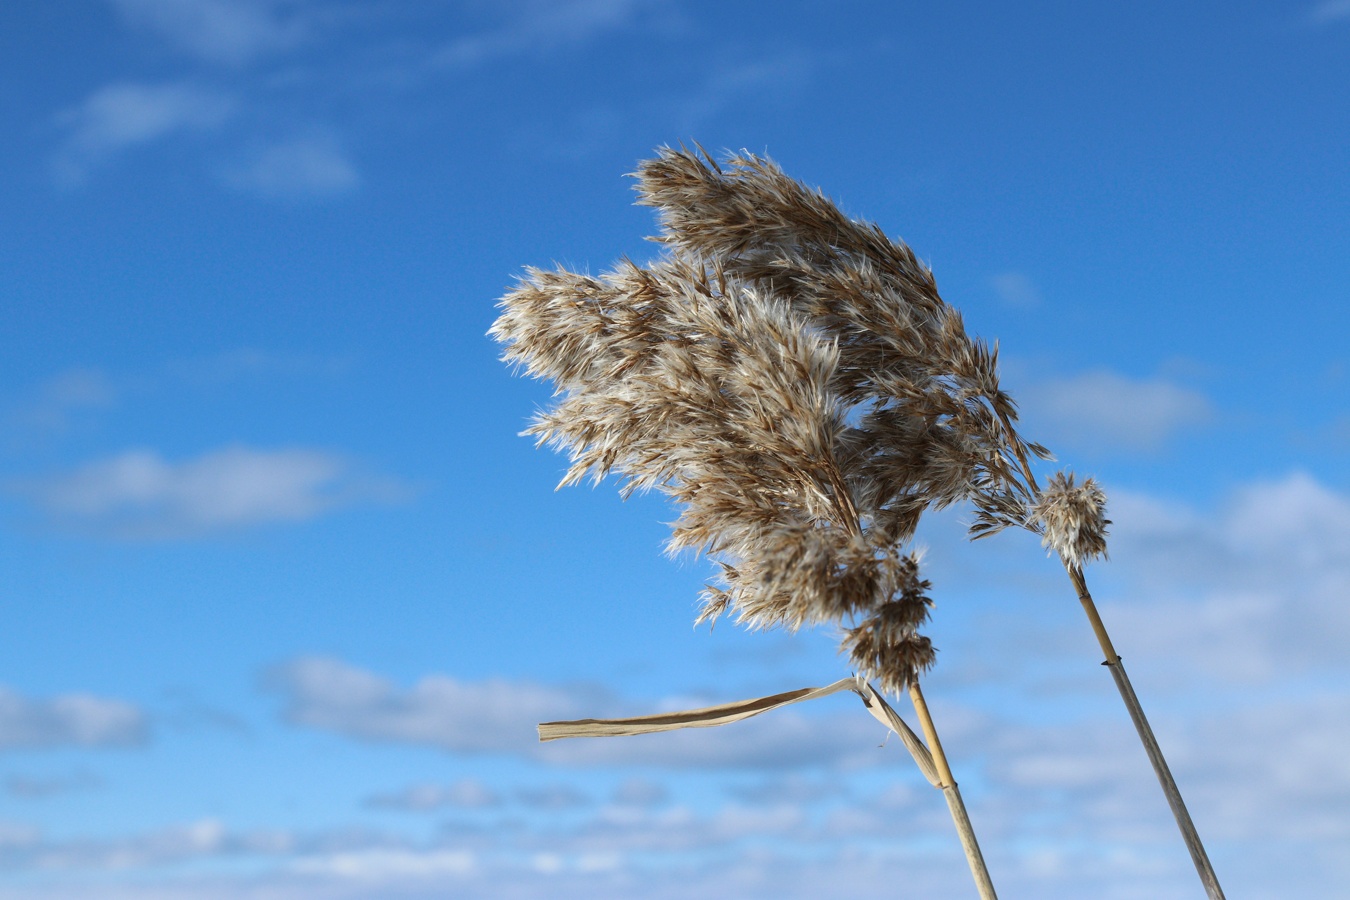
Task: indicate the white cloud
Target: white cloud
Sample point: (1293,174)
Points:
(140,495)
(641,792)
(498,716)
(30,787)
(1104,411)
(120,116)
(1329,11)
(1063,810)
(792,788)
(553,797)
(218,31)
(466,793)
(300,168)
(1016,290)
(80,720)
(201,839)
(59,402)
(538,25)
(381,864)
(1247,594)
(493,716)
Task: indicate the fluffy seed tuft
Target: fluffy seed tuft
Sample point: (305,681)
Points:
(792,379)
(1072,518)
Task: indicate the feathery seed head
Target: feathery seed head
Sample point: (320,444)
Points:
(791,378)
(1072,519)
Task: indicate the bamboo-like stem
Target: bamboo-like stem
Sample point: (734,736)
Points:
(964,830)
(1112,661)
(1098,626)
(1155,754)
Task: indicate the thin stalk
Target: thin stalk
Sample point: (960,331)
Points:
(978,870)
(1155,754)
(1189,835)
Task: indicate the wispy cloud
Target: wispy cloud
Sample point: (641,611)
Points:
(296,169)
(1016,290)
(533,26)
(252,363)
(641,792)
(120,116)
(81,720)
(483,717)
(553,797)
(768,78)
(58,402)
(33,787)
(138,494)
(466,793)
(1251,593)
(688,106)
(498,716)
(220,31)
(1105,411)
(201,839)
(1330,11)
(1066,810)
(386,864)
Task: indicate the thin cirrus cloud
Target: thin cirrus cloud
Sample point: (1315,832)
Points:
(61,401)
(121,116)
(467,793)
(28,787)
(230,32)
(497,716)
(1016,290)
(295,169)
(1330,11)
(533,26)
(66,720)
(1104,411)
(140,495)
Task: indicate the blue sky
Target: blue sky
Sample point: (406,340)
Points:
(285,592)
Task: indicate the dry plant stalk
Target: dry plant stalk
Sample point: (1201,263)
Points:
(792,379)
(708,380)
(938,428)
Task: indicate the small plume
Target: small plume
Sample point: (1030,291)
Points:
(1072,518)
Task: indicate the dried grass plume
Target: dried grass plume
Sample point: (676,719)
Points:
(1072,518)
(792,379)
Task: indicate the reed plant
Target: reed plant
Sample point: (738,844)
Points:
(681,378)
(793,381)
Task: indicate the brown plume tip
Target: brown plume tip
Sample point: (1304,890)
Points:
(886,646)
(1072,518)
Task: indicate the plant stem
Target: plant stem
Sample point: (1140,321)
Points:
(964,830)
(1155,754)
